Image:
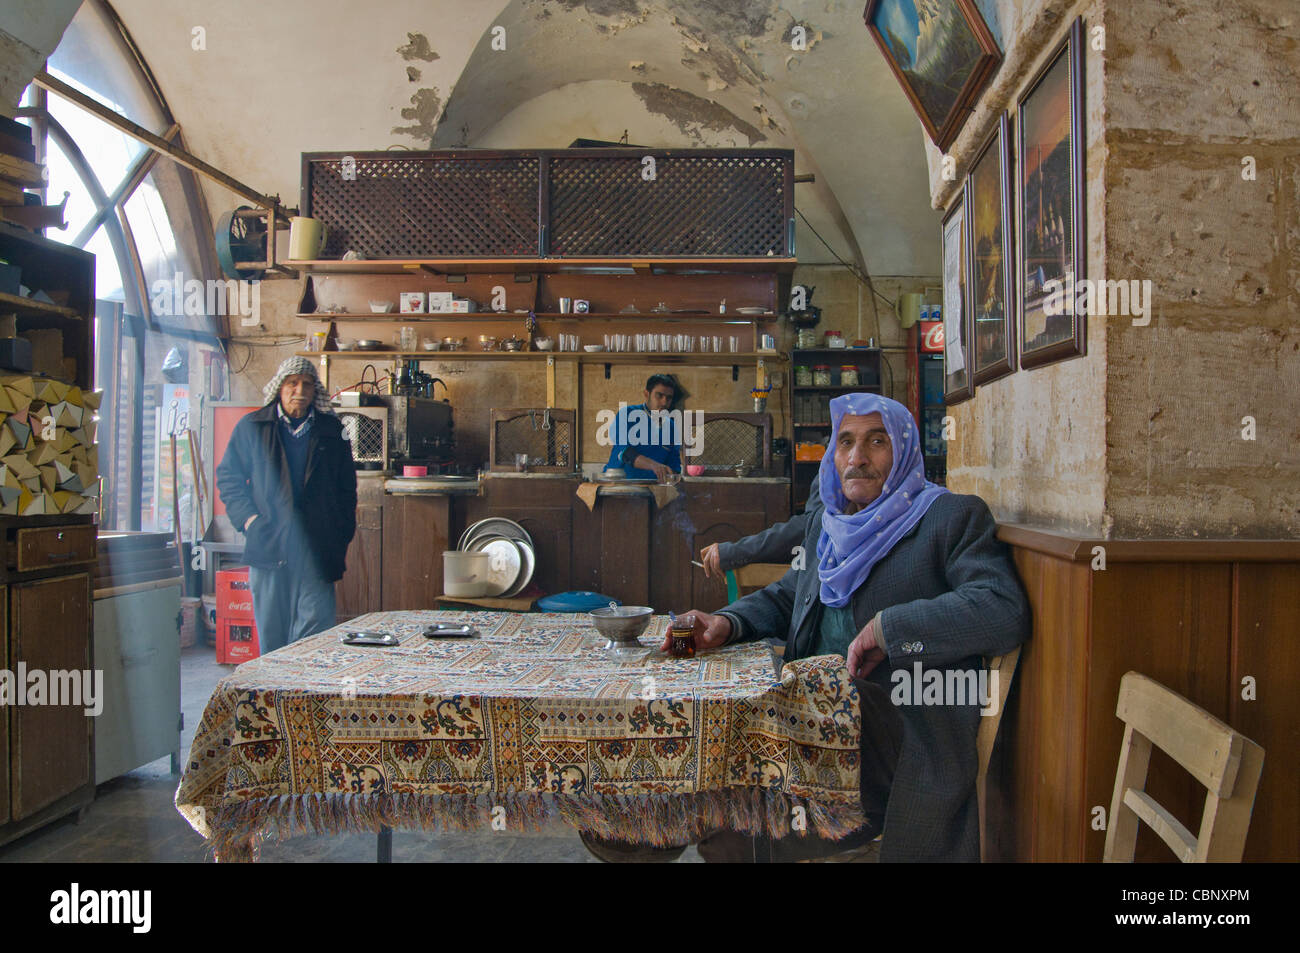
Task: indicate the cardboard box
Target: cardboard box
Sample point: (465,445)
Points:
(411,302)
(237,641)
(463,306)
(234,595)
(440,302)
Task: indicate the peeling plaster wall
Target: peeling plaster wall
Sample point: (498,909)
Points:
(1223,255)
(1033,444)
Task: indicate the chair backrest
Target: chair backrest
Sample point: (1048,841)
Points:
(1005,667)
(1224,761)
(757,575)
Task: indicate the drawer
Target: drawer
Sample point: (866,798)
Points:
(55,546)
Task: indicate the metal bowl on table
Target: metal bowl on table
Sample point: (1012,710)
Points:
(621,624)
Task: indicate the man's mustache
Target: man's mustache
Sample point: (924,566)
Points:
(859,473)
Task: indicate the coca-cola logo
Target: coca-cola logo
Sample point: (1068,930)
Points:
(932,336)
(239,606)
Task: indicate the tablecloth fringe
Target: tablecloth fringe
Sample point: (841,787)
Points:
(661,820)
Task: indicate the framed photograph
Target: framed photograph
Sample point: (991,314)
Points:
(1051,246)
(957,384)
(942,53)
(992,288)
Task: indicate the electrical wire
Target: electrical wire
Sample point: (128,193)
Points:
(860,274)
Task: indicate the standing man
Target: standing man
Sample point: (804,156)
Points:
(288,483)
(652,447)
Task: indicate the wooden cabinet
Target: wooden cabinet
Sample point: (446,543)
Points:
(711,511)
(361,588)
(51,743)
(46,749)
(624,546)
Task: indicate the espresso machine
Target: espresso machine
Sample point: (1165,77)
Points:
(420,427)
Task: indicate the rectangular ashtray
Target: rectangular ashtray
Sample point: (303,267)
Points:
(369,638)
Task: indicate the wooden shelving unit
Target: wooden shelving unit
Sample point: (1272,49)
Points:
(588,266)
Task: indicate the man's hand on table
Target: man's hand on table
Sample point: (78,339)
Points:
(711,557)
(663,473)
(865,652)
(711,631)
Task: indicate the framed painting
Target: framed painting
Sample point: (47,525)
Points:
(1051,249)
(992,285)
(942,53)
(957,384)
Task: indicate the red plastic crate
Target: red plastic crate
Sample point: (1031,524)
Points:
(234,595)
(237,641)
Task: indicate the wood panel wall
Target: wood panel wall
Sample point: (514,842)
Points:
(1190,615)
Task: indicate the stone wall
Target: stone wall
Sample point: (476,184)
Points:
(1033,444)
(1199,93)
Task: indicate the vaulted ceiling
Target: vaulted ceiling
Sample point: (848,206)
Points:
(254,83)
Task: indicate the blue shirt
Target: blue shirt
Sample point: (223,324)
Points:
(636,431)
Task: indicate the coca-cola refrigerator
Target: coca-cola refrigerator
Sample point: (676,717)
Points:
(931,410)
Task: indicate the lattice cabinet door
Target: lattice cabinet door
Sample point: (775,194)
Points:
(544,434)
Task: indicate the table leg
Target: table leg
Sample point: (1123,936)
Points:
(385,846)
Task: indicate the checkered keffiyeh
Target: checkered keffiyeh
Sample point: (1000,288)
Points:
(297,365)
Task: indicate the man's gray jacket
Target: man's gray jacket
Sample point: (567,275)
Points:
(949,595)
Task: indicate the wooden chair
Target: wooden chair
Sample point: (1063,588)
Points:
(753,577)
(1225,761)
(1005,666)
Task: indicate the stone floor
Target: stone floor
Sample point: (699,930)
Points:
(133,818)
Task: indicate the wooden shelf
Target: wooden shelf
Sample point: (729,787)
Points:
(582,357)
(840,389)
(10,304)
(705,318)
(590,266)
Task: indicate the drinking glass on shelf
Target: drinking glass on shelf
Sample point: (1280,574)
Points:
(734,344)
(717,344)
(704,344)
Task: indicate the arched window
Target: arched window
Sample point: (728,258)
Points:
(144,218)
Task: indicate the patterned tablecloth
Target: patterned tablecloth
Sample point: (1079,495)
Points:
(533,720)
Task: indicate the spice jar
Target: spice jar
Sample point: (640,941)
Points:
(834,339)
(807,338)
(821,375)
(802,375)
(849,375)
(682,632)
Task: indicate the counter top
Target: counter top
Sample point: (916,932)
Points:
(430,486)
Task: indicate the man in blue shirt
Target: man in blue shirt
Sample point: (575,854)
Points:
(648,446)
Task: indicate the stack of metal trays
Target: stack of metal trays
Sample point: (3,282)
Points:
(511,549)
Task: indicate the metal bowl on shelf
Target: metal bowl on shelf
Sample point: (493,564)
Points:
(621,624)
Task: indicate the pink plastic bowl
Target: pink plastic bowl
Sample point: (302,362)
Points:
(695,470)
(415,471)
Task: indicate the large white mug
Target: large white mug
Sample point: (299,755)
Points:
(306,238)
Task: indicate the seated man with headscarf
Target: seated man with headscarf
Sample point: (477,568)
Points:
(905,572)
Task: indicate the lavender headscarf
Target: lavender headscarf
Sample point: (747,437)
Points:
(850,545)
(298,365)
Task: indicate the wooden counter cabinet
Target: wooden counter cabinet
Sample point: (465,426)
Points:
(46,750)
